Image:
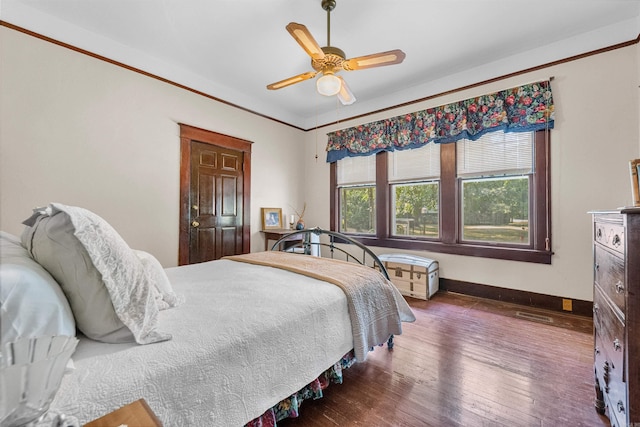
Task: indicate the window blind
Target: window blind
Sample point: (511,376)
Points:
(417,164)
(494,154)
(357,170)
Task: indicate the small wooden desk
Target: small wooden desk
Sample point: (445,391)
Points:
(135,414)
(276,234)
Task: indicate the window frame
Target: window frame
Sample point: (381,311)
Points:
(392,207)
(449,241)
(360,186)
(529,244)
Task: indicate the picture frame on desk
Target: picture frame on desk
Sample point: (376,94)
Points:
(634,170)
(271,218)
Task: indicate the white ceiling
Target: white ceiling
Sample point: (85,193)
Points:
(231,49)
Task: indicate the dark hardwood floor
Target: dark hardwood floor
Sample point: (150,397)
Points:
(469,362)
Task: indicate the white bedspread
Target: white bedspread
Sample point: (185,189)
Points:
(375,305)
(246,337)
(239,346)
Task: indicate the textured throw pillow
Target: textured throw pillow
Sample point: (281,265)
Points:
(165,298)
(31,301)
(109,292)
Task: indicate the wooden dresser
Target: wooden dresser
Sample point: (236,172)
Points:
(616,314)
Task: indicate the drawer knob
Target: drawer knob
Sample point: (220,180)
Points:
(597,266)
(616,345)
(596,350)
(619,287)
(616,240)
(620,406)
(596,307)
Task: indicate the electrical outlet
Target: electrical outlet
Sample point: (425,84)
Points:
(567,304)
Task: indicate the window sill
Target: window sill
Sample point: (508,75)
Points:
(510,254)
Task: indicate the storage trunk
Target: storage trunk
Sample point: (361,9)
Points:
(414,276)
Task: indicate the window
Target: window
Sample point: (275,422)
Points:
(488,197)
(415,209)
(357,189)
(494,174)
(414,177)
(495,210)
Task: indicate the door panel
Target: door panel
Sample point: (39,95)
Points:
(229,196)
(214,196)
(205,194)
(216,224)
(230,163)
(229,237)
(203,245)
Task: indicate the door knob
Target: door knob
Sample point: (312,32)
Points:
(195,223)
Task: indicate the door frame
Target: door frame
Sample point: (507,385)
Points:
(191,133)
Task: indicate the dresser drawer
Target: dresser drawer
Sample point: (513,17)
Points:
(612,337)
(609,327)
(610,235)
(609,358)
(617,408)
(609,377)
(609,275)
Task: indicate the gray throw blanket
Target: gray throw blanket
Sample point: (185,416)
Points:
(376,307)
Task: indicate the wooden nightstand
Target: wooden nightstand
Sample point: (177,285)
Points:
(135,414)
(276,234)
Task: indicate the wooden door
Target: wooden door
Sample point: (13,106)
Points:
(214,212)
(216,202)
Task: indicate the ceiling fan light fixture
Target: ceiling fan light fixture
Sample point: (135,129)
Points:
(345,95)
(328,84)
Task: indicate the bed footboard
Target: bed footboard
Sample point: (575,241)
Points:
(329,244)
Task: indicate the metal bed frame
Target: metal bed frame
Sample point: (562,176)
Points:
(329,244)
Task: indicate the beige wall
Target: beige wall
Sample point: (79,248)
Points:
(80,131)
(596,134)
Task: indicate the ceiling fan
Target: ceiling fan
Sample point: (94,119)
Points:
(329,60)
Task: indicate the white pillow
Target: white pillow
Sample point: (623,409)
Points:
(105,282)
(32,303)
(165,298)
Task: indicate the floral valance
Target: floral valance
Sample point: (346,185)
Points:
(520,109)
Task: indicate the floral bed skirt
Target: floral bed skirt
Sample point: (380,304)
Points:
(290,407)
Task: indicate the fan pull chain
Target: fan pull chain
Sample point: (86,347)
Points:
(316,130)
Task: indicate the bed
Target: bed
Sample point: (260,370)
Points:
(238,341)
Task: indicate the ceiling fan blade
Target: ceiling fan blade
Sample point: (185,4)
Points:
(292,80)
(345,95)
(306,40)
(376,60)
